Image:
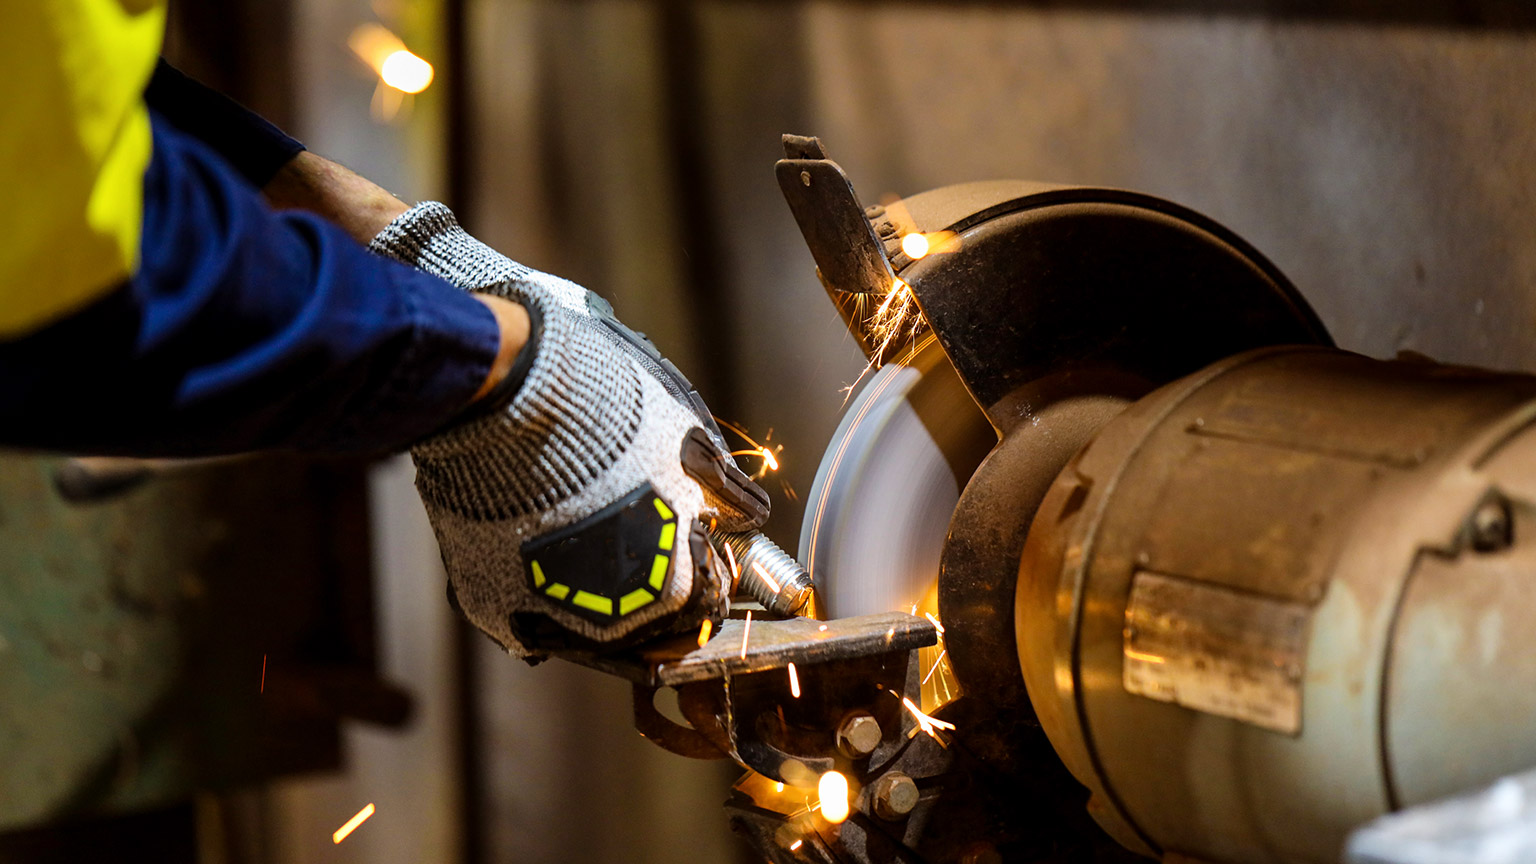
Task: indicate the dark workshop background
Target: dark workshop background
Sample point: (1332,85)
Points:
(1380,153)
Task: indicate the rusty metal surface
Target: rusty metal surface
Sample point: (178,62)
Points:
(1216,650)
(1077,280)
(161,643)
(848,256)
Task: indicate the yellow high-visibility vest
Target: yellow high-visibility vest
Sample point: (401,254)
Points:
(74,143)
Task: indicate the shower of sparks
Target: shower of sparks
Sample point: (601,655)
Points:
(936,665)
(762,574)
(895,319)
(761,450)
(263,674)
(360,818)
(833,791)
(925,723)
(794,682)
(704,629)
(745,632)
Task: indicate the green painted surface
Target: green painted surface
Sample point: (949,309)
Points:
(132,633)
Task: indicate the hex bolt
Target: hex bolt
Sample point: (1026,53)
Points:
(1491,526)
(858,735)
(895,796)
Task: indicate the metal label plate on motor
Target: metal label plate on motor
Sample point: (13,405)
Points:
(1216,650)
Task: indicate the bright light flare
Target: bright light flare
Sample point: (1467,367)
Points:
(915,245)
(762,574)
(406,72)
(833,791)
(794,682)
(360,818)
(704,629)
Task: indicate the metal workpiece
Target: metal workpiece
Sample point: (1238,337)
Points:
(849,257)
(1267,602)
(769,575)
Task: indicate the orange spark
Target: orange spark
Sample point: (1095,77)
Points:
(745,632)
(360,818)
(930,725)
(730,558)
(915,245)
(935,666)
(704,629)
(938,626)
(794,682)
(833,791)
(795,845)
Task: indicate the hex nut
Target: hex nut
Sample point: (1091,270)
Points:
(895,795)
(858,735)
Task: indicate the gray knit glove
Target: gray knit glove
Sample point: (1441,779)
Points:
(574,515)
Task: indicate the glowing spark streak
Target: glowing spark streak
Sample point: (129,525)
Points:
(833,791)
(915,245)
(745,632)
(762,574)
(935,666)
(730,558)
(704,629)
(794,682)
(770,460)
(822,628)
(1145,658)
(360,818)
(778,787)
(263,674)
(936,624)
(795,845)
(930,725)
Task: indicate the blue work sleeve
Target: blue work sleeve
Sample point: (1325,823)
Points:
(245,329)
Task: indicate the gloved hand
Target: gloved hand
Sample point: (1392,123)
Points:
(573,512)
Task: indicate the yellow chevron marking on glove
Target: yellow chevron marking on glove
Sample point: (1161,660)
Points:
(587,600)
(634,600)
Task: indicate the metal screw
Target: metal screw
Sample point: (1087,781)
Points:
(1491,528)
(895,795)
(768,573)
(859,735)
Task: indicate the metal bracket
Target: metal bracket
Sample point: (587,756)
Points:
(849,258)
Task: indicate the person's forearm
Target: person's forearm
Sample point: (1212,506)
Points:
(362,208)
